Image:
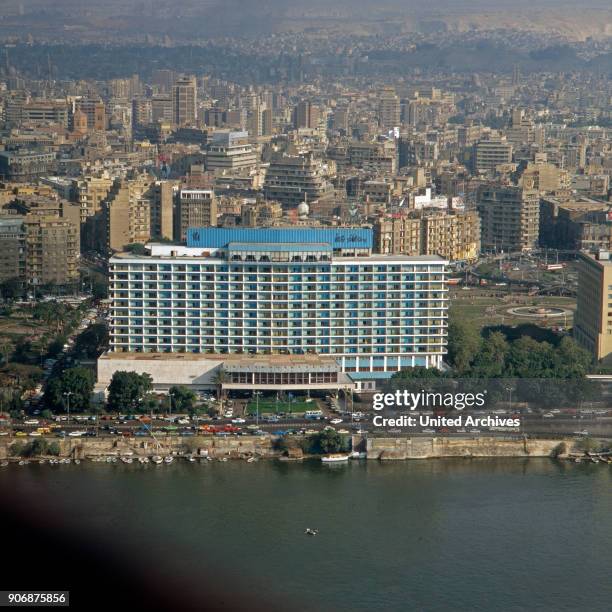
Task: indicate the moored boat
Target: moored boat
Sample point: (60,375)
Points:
(334,458)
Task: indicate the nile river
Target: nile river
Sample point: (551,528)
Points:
(422,535)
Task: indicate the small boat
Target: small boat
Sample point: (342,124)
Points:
(250,459)
(156,459)
(77,461)
(42,462)
(4,464)
(577,460)
(594,459)
(22,462)
(209,458)
(191,459)
(311,532)
(168,459)
(126,460)
(358,455)
(335,458)
(109,460)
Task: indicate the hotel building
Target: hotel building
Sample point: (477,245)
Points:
(263,301)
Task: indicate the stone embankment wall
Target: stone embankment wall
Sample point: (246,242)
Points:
(244,446)
(428,448)
(79,448)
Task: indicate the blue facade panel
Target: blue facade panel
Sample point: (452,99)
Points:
(337,237)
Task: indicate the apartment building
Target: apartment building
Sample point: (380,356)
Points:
(452,235)
(509,217)
(292,180)
(194,208)
(593,318)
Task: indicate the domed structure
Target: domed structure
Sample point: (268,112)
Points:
(303,209)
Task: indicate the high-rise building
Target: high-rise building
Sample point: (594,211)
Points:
(593,318)
(184,100)
(126,215)
(195,208)
(389,109)
(287,297)
(230,151)
(510,217)
(488,154)
(52,250)
(90,192)
(142,112)
(161,196)
(292,180)
(12,248)
(266,122)
(95,112)
(307,115)
(162,109)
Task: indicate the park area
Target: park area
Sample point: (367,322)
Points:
(485,307)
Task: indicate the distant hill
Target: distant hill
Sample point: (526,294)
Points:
(46,19)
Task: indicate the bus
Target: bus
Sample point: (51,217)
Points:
(313,414)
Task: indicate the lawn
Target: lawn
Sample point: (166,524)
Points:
(271,406)
(482,310)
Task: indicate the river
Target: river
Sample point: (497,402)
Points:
(487,534)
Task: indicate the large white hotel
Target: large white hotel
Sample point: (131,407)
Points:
(275,308)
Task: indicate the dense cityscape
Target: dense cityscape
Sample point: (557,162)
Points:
(240,237)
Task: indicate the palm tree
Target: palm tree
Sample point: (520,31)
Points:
(220,378)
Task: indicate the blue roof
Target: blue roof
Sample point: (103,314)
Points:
(337,237)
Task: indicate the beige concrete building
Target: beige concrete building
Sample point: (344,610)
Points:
(12,247)
(388,109)
(52,250)
(90,192)
(195,208)
(126,214)
(184,100)
(488,154)
(454,236)
(593,318)
(509,216)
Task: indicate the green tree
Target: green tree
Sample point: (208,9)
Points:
(127,391)
(135,247)
(54,449)
(490,362)
(464,343)
(78,382)
(329,441)
(529,358)
(92,341)
(572,360)
(16,448)
(11,289)
(183,399)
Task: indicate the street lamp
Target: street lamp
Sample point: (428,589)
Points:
(67,394)
(171,396)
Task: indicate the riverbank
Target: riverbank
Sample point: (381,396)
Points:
(244,447)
